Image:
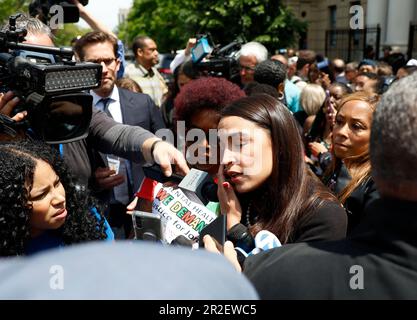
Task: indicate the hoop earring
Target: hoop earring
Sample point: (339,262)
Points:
(280,96)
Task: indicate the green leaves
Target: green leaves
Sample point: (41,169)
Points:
(172,22)
(9,7)
(64,36)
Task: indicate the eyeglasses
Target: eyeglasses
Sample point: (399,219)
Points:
(107,62)
(246,68)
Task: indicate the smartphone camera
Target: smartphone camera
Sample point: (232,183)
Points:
(147,226)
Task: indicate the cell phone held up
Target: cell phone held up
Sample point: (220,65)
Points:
(147,226)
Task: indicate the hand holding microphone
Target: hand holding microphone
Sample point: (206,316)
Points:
(197,185)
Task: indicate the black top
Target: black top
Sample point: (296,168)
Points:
(358,200)
(327,222)
(378,261)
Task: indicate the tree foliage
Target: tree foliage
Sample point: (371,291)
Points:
(64,36)
(9,7)
(172,22)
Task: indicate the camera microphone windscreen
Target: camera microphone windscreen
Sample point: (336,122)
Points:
(199,187)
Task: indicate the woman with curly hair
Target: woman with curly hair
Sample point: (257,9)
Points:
(40,206)
(198,105)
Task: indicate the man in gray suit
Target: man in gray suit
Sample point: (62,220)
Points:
(116,178)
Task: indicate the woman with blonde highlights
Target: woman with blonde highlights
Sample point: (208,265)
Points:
(349,175)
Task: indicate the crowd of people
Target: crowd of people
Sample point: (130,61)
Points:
(319,153)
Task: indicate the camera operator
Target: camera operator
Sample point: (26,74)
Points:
(251,54)
(104,133)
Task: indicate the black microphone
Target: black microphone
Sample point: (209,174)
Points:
(197,185)
(154,172)
(182,241)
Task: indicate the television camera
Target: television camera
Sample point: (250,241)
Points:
(215,60)
(41,9)
(50,87)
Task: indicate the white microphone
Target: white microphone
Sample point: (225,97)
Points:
(265,240)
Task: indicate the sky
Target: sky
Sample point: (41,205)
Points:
(106,11)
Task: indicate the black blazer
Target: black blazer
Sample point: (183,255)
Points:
(383,249)
(137,110)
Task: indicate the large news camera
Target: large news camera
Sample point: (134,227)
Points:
(41,9)
(217,61)
(49,85)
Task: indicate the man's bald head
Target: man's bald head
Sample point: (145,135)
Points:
(338,65)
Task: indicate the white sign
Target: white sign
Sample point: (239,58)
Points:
(180,215)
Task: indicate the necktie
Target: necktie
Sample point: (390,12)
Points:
(105,103)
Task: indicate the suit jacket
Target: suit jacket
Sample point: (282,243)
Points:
(107,136)
(137,110)
(378,261)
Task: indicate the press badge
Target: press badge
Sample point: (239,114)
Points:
(114,163)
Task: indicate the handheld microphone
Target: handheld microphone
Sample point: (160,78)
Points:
(154,172)
(197,185)
(182,241)
(265,240)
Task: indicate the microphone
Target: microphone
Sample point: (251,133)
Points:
(154,172)
(197,185)
(182,241)
(265,240)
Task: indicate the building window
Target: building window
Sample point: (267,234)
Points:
(332,25)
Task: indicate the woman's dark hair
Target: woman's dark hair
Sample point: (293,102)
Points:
(292,191)
(319,124)
(189,70)
(205,93)
(18,161)
(343,86)
(254,87)
(270,72)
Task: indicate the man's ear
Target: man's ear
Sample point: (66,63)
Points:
(139,52)
(281,88)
